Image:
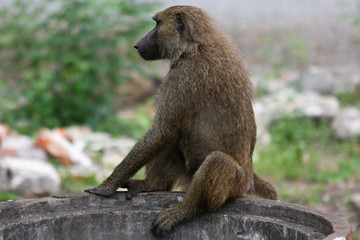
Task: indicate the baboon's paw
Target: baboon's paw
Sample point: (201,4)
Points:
(162,224)
(101,191)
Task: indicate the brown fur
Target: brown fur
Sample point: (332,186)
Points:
(203,134)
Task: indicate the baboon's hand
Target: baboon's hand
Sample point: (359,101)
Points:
(102,190)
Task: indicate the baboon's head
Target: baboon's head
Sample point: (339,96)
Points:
(178,29)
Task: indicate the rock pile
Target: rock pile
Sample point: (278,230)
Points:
(313,95)
(24,161)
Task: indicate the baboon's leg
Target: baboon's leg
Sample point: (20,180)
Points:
(161,173)
(218,179)
(263,189)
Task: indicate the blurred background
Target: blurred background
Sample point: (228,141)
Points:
(75,96)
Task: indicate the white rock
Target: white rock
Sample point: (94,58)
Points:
(22,147)
(355,199)
(355,82)
(317,79)
(17,142)
(288,102)
(115,151)
(58,145)
(28,177)
(314,105)
(347,123)
(34,153)
(276,83)
(82,136)
(4,131)
(346,84)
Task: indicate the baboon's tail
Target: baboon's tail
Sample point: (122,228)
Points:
(263,189)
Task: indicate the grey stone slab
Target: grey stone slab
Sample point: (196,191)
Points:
(84,216)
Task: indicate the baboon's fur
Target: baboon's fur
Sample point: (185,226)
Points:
(203,135)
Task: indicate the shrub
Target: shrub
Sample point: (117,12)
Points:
(67,58)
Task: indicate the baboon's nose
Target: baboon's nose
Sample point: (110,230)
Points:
(135,46)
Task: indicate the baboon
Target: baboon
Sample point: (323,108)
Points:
(203,134)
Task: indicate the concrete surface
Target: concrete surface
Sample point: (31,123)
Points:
(83,216)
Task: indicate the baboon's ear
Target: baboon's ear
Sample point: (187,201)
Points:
(181,22)
(183,27)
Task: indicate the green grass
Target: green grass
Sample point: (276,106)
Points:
(5,196)
(291,153)
(306,151)
(349,98)
(301,194)
(70,183)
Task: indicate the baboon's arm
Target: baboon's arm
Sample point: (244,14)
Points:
(161,133)
(146,149)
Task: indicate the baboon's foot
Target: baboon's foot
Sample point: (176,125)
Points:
(170,218)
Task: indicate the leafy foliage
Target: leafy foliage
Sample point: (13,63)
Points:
(134,127)
(66,59)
